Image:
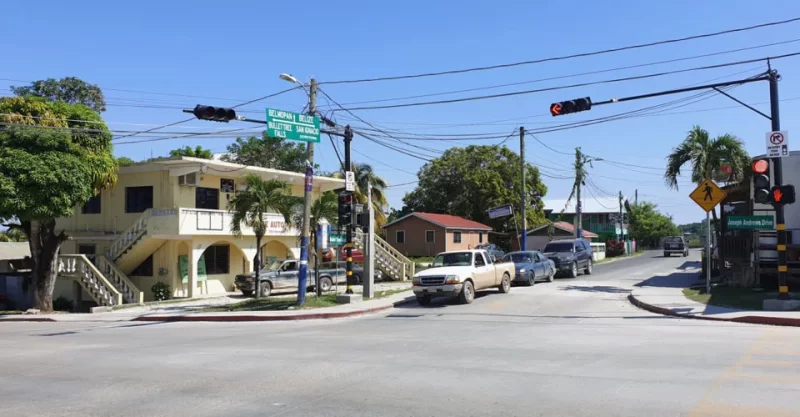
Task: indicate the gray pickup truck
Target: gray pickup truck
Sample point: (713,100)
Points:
(285,275)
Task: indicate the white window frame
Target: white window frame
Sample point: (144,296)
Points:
(460,237)
(434,236)
(397,233)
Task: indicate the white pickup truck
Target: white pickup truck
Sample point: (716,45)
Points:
(460,274)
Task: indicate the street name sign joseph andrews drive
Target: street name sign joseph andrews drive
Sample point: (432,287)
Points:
(750,222)
(292,126)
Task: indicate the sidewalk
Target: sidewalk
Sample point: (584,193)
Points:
(665,296)
(182,313)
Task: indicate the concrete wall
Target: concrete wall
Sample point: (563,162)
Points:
(469,239)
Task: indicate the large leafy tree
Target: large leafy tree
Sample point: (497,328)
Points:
(648,225)
(70,90)
(706,156)
(469,181)
(267,152)
(250,207)
(54,157)
(196,152)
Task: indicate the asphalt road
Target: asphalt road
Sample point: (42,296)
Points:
(574,347)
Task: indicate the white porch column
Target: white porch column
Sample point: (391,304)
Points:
(249,256)
(195,253)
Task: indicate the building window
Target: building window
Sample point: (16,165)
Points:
(456,237)
(206,198)
(90,251)
(430,236)
(92,206)
(138,199)
(145,269)
(218,259)
(480,237)
(400,236)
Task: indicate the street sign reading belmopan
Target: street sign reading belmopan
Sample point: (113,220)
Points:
(292,126)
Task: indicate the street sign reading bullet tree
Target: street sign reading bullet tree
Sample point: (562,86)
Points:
(292,126)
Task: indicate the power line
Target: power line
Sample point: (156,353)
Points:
(580,74)
(584,84)
(402,184)
(564,57)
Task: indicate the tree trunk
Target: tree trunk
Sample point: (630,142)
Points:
(44,245)
(257,264)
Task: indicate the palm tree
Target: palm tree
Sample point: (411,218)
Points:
(250,207)
(365,176)
(707,156)
(326,207)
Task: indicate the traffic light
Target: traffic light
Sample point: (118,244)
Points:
(346,212)
(781,195)
(215,114)
(761,181)
(571,106)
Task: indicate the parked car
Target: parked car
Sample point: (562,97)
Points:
(531,266)
(285,275)
(358,271)
(675,244)
(329,255)
(460,274)
(570,256)
(492,249)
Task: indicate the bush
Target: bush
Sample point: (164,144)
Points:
(615,248)
(62,304)
(161,291)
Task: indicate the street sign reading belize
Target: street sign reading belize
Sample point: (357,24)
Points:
(292,126)
(750,222)
(707,195)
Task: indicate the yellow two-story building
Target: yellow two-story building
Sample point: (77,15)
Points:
(168,221)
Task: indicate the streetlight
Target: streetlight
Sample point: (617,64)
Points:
(306,233)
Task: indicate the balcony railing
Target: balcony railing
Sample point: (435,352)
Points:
(190,221)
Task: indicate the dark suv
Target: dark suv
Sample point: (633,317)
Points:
(570,256)
(675,244)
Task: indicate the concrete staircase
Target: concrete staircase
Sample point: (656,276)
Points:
(82,270)
(387,259)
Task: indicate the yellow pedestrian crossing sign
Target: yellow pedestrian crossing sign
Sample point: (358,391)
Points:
(707,195)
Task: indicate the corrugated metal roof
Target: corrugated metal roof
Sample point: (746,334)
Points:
(14,250)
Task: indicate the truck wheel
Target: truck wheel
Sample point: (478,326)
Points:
(573,272)
(423,300)
(247,293)
(266,289)
(325,284)
(505,284)
(531,280)
(552,276)
(588,270)
(467,293)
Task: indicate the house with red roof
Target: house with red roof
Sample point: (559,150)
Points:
(539,236)
(426,234)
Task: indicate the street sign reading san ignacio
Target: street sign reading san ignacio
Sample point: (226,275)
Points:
(292,126)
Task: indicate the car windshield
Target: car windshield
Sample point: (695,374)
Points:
(273,266)
(453,259)
(673,240)
(518,258)
(559,247)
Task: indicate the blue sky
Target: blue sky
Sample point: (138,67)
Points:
(233,53)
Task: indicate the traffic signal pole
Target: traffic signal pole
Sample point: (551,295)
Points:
(348,137)
(780,220)
(524,241)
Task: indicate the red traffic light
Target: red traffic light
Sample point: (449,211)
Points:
(215,114)
(781,195)
(777,195)
(761,166)
(555,109)
(571,106)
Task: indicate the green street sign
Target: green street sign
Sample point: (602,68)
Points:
(336,239)
(750,222)
(292,126)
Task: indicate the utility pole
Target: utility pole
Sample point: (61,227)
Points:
(580,160)
(303,273)
(524,242)
(636,197)
(621,222)
(780,219)
(348,137)
(369,255)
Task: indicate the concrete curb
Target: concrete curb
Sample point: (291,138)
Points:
(26,319)
(772,321)
(285,317)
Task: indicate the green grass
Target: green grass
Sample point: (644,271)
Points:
(740,298)
(383,294)
(419,259)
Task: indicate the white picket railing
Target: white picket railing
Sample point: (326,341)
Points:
(130,293)
(387,259)
(129,236)
(90,278)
